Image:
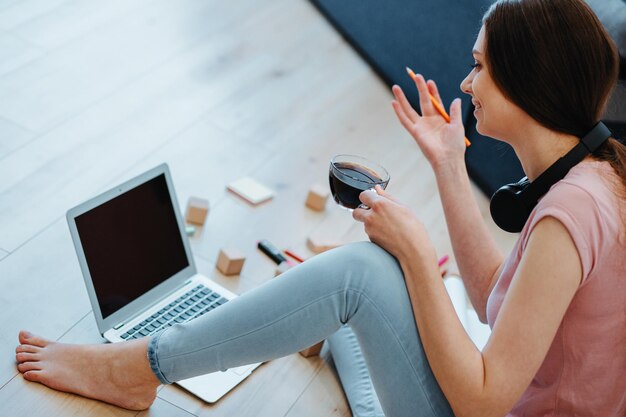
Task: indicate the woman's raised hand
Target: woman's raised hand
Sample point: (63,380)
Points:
(439,141)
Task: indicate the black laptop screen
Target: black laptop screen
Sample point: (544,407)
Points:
(132,243)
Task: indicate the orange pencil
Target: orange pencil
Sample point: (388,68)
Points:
(433,100)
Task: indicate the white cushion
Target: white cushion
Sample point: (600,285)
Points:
(477,331)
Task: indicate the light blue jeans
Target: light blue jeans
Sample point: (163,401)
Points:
(359,285)
(353,373)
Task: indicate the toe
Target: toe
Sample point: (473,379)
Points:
(27,338)
(27,357)
(27,348)
(29,366)
(24,336)
(35,376)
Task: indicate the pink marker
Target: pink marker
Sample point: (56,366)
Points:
(443,260)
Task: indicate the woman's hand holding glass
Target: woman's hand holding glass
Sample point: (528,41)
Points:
(440,142)
(394,227)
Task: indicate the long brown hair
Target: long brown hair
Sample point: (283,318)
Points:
(555,60)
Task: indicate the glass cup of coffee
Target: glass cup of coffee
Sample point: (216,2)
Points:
(350,175)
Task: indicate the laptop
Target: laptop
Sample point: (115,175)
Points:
(139,270)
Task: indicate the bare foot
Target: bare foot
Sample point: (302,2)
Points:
(117,373)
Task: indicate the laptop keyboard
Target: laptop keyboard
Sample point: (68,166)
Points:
(190,305)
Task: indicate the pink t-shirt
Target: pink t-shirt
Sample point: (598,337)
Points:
(584,372)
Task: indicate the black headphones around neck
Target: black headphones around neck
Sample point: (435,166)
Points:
(512,204)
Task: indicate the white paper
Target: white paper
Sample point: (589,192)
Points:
(251,190)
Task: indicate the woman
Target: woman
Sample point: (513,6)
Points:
(543,71)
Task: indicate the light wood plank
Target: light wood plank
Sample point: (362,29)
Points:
(21,11)
(15,52)
(74,19)
(7,3)
(12,137)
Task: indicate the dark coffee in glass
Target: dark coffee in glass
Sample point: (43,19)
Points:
(350,175)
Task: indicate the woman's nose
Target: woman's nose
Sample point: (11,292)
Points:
(466,84)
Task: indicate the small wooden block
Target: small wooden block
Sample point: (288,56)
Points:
(282,267)
(317,197)
(318,245)
(313,350)
(197,210)
(230,261)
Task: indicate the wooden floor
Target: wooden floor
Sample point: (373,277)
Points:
(93,93)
